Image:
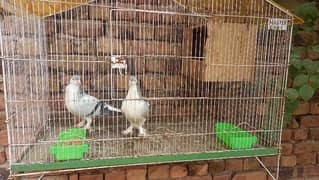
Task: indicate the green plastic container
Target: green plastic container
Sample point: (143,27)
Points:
(234,137)
(61,151)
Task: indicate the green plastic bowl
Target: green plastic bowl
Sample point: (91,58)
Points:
(69,152)
(71,134)
(234,137)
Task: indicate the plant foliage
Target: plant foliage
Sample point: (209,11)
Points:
(303,73)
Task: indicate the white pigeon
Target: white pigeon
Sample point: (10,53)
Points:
(135,108)
(84,105)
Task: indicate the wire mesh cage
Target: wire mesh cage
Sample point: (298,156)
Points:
(197,64)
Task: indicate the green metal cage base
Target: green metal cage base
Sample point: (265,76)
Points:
(142,160)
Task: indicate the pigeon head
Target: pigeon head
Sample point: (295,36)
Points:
(132,81)
(75,79)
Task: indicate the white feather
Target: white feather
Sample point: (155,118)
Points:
(81,104)
(135,108)
(77,103)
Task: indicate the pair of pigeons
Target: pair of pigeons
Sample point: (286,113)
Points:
(134,107)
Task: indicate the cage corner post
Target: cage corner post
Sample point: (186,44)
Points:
(273,174)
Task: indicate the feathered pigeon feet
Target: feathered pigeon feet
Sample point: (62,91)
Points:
(89,129)
(81,124)
(141,132)
(86,124)
(129,131)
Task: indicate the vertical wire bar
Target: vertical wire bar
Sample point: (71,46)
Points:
(267,58)
(274,84)
(272,61)
(262,59)
(214,102)
(28,71)
(99,79)
(12,88)
(252,126)
(35,120)
(5,67)
(52,92)
(255,78)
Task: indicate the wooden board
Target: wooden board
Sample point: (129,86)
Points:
(267,8)
(229,52)
(222,6)
(41,8)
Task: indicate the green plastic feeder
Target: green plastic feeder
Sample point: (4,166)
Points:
(65,150)
(234,137)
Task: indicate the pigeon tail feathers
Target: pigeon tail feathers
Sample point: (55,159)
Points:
(102,108)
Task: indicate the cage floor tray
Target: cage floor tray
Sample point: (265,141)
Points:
(107,146)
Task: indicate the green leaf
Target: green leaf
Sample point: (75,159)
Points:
(310,66)
(314,80)
(293,72)
(291,106)
(308,26)
(300,80)
(296,52)
(306,92)
(292,94)
(296,63)
(306,62)
(315,67)
(308,11)
(315,48)
(288,116)
(295,30)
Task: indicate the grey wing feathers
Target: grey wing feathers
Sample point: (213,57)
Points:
(87,104)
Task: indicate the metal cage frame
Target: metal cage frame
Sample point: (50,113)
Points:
(279,13)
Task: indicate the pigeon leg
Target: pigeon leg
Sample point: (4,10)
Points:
(129,130)
(141,131)
(81,124)
(88,123)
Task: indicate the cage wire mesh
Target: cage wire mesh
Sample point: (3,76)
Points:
(197,63)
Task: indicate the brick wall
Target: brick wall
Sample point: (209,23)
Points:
(300,150)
